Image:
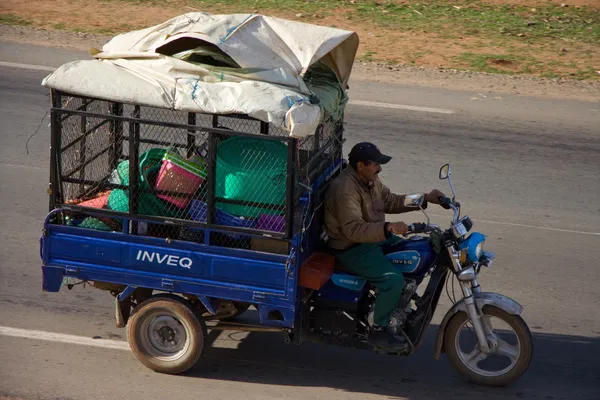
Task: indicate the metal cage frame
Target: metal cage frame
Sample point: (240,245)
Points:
(303,165)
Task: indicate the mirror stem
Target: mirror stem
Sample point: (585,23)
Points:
(452,188)
(426,216)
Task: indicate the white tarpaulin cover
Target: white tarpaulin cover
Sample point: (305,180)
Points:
(264,62)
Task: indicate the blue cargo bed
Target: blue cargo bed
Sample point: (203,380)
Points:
(264,279)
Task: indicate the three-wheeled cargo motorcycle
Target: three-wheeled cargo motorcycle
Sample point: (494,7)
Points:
(189,164)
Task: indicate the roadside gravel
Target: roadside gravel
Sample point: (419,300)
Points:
(400,74)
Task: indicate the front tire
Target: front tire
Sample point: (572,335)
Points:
(166,334)
(518,354)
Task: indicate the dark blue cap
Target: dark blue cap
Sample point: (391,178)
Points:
(366,151)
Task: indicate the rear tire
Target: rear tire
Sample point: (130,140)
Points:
(166,334)
(522,360)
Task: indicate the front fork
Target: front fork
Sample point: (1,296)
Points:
(470,286)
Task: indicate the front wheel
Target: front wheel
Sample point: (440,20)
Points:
(510,342)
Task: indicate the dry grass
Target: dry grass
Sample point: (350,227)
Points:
(534,37)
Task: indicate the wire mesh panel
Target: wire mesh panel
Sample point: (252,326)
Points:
(221,180)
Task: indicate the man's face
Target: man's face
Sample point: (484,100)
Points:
(368,172)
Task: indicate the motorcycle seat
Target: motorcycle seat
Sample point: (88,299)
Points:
(344,278)
(341,276)
(339,267)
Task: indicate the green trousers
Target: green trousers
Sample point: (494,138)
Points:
(368,261)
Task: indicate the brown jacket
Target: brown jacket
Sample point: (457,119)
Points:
(355,213)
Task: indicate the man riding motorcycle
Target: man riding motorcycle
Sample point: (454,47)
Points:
(356,204)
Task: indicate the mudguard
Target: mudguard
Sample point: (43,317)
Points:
(481,300)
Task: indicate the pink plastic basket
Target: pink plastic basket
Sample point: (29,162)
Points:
(181,177)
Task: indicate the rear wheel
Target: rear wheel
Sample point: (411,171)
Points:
(166,334)
(510,343)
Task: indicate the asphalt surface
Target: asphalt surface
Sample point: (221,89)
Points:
(525,169)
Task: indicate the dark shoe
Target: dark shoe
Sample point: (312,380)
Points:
(385,339)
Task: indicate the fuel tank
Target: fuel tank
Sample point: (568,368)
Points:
(412,257)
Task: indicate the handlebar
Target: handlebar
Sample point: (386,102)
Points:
(420,227)
(447,202)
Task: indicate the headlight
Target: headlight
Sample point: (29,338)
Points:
(473,246)
(479,250)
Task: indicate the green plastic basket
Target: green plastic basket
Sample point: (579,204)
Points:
(251,170)
(148,203)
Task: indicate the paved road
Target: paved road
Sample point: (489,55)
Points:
(526,170)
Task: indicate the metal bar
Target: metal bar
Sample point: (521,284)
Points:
(250,204)
(86,102)
(55,131)
(220,131)
(191,138)
(316,169)
(134,132)
(236,116)
(291,186)
(88,162)
(264,128)
(116,130)
(82,148)
(339,134)
(102,184)
(85,135)
(159,142)
(318,137)
(276,236)
(207,304)
(315,157)
(126,293)
(226,326)
(90,191)
(211,177)
(95,127)
(88,182)
(105,185)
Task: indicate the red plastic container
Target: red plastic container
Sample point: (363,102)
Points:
(316,270)
(98,202)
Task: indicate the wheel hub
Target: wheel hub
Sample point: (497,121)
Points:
(493,344)
(499,351)
(166,334)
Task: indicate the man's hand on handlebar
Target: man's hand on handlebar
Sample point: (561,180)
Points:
(438,197)
(446,203)
(434,196)
(401,229)
(397,228)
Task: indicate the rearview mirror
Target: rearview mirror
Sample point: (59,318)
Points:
(445,171)
(414,200)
